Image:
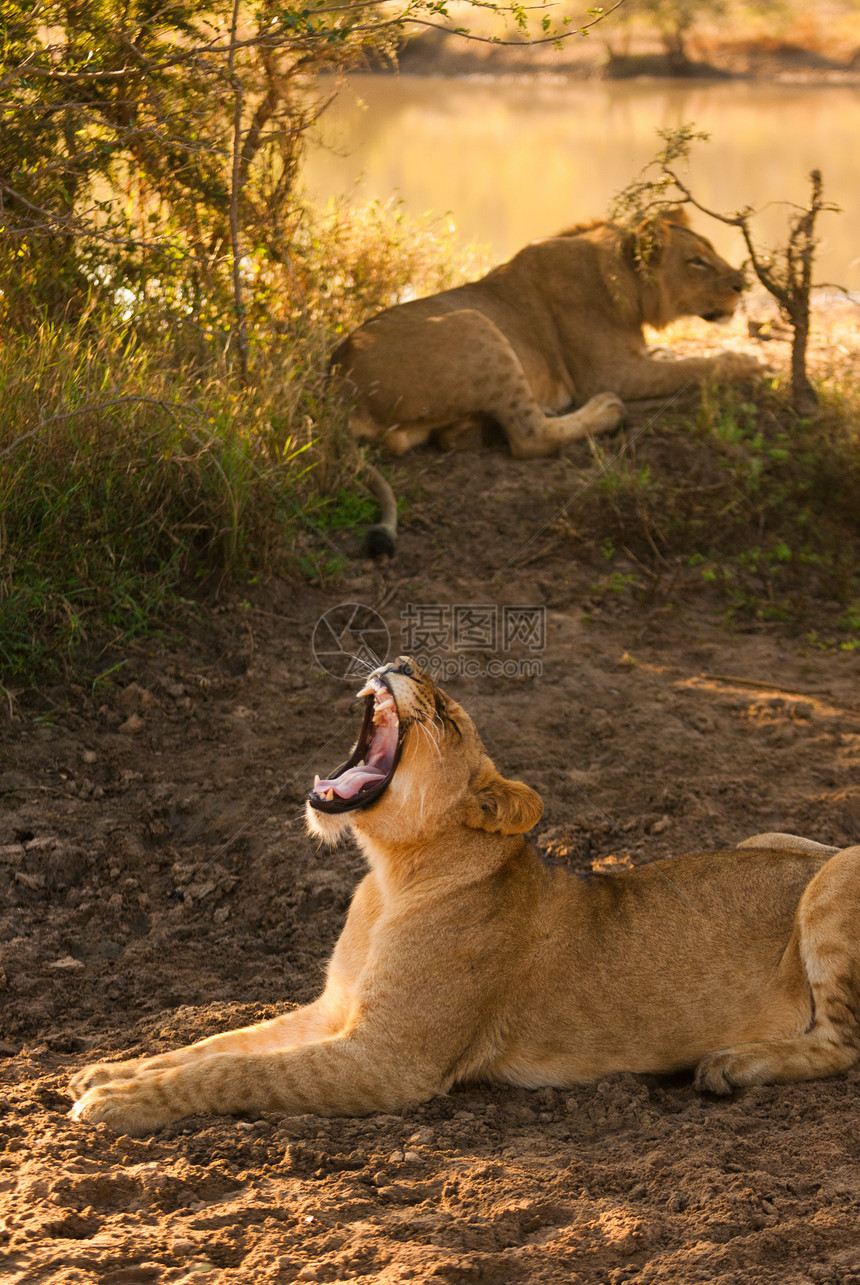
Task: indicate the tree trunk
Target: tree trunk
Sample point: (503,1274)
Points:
(803,396)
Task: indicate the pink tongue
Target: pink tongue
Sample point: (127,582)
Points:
(348,785)
(376,768)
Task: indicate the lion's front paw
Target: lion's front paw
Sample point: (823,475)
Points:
(740,365)
(134,1108)
(714,1073)
(101,1073)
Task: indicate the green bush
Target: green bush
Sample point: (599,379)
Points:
(133,472)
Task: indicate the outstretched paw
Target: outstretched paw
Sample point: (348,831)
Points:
(136,1107)
(740,365)
(101,1073)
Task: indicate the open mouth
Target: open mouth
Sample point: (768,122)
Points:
(719,314)
(367,772)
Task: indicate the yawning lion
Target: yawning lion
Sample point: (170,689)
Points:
(465,957)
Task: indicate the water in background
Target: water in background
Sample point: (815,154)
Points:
(510,160)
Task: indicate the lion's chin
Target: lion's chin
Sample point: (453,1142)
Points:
(328,826)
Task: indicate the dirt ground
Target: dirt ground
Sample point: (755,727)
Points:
(157,886)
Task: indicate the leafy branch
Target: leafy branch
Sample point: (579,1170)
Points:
(153,149)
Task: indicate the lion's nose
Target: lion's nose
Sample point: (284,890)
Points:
(404,665)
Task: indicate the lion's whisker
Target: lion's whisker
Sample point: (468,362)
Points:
(359,660)
(420,723)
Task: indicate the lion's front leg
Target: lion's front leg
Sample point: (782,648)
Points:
(105,1073)
(350,1075)
(641,377)
(309,1023)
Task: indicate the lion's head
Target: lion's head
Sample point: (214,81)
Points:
(417,771)
(681,272)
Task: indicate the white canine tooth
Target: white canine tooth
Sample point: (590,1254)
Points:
(329,795)
(316,781)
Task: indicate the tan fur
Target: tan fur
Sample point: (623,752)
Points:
(465,957)
(557,328)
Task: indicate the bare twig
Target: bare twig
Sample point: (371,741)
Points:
(235,192)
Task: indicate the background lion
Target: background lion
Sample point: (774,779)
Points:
(558,327)
(466,958)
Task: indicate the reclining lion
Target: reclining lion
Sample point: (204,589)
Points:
(558,327)
(465,957)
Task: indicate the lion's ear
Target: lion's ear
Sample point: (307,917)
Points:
(650,238)
(502,806)
(676,214)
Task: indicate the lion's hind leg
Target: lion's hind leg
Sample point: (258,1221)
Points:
(532,434)
(432,371)
(827,940)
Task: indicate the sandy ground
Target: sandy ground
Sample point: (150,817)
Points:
(651,728)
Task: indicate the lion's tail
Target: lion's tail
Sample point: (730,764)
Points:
(381,539)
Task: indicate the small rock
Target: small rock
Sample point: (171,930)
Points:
(33,881)
(46,843)
(423,1136)
(68,961)
(129,697)
(132,725)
